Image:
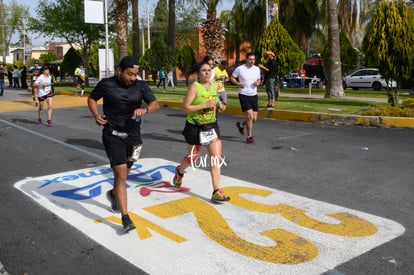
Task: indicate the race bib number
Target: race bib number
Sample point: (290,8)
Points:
(207,137)
(47,89)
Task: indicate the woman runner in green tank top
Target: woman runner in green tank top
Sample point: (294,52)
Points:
(201,104)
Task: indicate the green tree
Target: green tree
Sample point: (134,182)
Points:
(388,42)
(46,58)
(276,38)
(300,18)
(233,25)
(160,25)
(158,57)
(65,19)
(186,61)
(12,18)
(188,21)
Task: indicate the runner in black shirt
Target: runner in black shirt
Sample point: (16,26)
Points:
(122,112)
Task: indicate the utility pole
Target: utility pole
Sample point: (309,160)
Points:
(3,44)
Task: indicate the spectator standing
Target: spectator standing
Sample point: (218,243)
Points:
(16,76)
(43,92)
(2,75)
(10,76)
(80,79)
(170,78)
(221,77)
(247,78)
(200,103)
(161,77)
(270,78)
(24,77)
(302,75)
(122,96)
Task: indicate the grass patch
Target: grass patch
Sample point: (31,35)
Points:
(320,105)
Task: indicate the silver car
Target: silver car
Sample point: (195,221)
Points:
(367,78)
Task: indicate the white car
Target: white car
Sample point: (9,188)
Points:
(367,78)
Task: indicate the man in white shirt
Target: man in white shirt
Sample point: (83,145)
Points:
(247,78)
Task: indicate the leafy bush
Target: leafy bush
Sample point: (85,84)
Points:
(408,103)
(389,111)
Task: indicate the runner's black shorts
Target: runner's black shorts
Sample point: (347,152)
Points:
(117,149)
(191,132)
(80,81)
(249,102)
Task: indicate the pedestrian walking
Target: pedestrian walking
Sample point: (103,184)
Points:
(170,79)
(201,103)
(247,78)
(123,111)
(43,92)
(16,77)
(161,77)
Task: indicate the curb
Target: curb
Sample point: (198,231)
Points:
(373,121)
(312,117)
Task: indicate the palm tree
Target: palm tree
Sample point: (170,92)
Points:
(335,87)
(233,24)
(352,16)
(211,30)
(135,29)
(171,23)
(120,15)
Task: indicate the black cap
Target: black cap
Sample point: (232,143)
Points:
(36,61)
(44,68)
(129,62)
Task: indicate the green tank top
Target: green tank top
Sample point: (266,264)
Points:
(207,115)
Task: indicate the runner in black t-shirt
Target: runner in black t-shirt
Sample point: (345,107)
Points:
(121,120)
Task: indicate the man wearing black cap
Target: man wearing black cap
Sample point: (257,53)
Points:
(121,120)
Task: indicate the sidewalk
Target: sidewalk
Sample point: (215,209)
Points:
(20,100)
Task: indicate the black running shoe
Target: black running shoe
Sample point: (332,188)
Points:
(114,205)
(127,223)
(240,127)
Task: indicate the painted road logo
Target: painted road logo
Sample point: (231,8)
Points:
(259,231)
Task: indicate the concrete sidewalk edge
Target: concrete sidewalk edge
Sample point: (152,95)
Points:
(375,121)
(313,117)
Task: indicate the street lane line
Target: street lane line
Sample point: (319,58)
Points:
(76,148)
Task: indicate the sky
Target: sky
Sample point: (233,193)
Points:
(225,4)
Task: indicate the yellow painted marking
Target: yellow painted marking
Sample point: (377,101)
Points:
(143,225)
(350,225)
(289,248)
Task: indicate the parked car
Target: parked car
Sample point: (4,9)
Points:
(367,78)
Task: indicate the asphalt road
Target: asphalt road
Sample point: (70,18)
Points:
(366,169)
